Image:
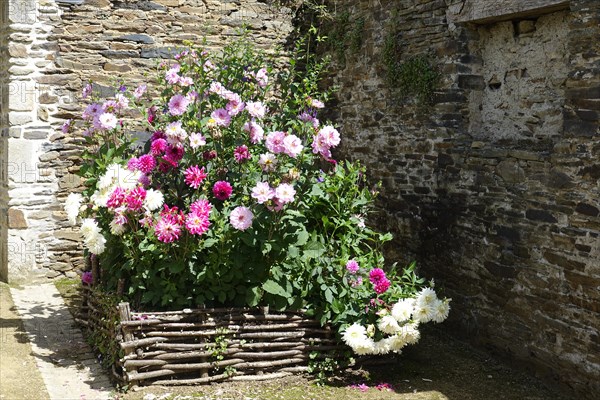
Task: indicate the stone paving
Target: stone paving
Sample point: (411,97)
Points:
(66,363)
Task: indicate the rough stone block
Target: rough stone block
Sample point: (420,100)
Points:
(474,82)
(138,38)
(21,95)
(540,215)
(35,135)
(587,209)
(111,67)
(16,219)
(510,171)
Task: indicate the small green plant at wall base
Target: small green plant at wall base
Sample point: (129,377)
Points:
(219,348)
(322,369)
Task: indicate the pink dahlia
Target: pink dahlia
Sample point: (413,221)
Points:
(197,224)
(186,81)
(274,142)
(135,198)
(241,153)
(256,109)
(132,164)
(194,176)
(235,104)
(222,190)
(87,91)
(201,207)
(285,193)
(262,192)
(158,147)
(376,275)
(330,135)
(268,162)
(292,146)
(320,146)
(241,218)
(107,121)
(352,266)
(172,75)
(146,163)
(139,91)
(173,155)
(197,140)
(116,198)
(178,104)
(262,78)
(256,132)
(92,111)
(382,286)
(167,229)
(221,117)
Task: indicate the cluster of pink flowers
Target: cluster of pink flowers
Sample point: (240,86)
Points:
(174,78)
(327,138)
(121,200)
(262,192)
(281,142)
(197,221)
(174,136)
(167,146)
(380,282)
(168,226)
(194,176)
(145,164)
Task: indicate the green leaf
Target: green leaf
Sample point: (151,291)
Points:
(328,295)
(253,296)
(274,288)
(302,237)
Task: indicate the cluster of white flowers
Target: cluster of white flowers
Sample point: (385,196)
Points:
(72,206)
(92,237)
(115,175)
(400,324)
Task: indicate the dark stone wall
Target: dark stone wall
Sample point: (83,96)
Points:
(506,220)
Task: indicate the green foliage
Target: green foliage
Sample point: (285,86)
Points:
(415,77)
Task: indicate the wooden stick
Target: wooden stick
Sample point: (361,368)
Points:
(142,342)
(195,381)
(125,315)
(271,354)
(204,365)
(193,354)
(143,363)
(139,376)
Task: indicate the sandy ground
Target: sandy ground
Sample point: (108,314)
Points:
(19,376)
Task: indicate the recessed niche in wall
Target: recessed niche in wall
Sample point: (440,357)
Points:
(524,68)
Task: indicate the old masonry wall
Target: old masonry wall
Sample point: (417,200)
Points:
(493,186)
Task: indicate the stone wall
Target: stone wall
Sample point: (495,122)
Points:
(493,187)
(55,48)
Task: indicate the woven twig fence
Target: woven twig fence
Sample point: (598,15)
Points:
(197,346)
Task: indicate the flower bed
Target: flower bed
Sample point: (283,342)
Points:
(235,200)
